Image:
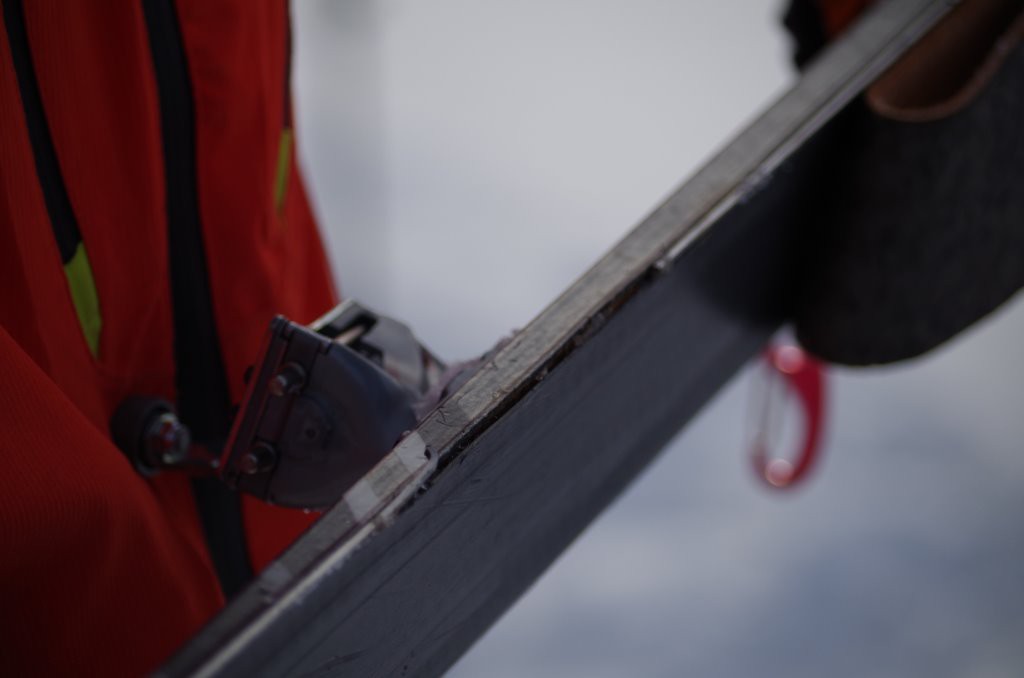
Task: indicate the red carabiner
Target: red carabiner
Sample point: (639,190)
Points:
(805,376)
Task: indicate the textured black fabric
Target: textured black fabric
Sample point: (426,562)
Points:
(922,229)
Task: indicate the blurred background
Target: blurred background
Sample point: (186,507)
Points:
(468,160)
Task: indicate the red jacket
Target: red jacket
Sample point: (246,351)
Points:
(104,572)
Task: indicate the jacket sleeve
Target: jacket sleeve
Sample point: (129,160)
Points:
(88,555)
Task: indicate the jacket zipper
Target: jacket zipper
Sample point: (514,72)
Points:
(77,268)
(204,402)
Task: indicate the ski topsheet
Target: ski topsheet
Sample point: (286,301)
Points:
(415,563)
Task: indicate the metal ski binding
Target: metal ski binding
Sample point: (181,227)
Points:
(324,404)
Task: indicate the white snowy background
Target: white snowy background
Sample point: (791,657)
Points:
(469,159)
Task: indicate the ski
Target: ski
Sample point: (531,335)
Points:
(442,536)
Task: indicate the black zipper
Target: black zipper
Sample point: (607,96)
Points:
(55,192)
(62,218)
(203,398)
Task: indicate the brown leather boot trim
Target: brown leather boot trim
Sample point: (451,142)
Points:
(944,72)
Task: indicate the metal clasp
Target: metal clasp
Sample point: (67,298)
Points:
(801,375)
